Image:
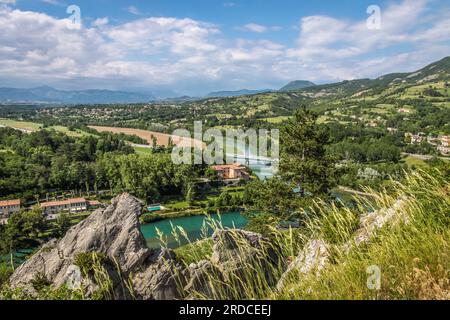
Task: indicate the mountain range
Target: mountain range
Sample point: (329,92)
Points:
(47,94)
(437,70)
(243,92)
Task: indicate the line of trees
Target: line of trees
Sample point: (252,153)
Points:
(46,161)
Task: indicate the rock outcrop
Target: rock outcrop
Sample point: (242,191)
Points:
(136,271)
(372,221)
(312,259)
(315,254)
(238,256)
(141,273)
(113,232)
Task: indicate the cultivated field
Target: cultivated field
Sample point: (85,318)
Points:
(28,127)
(162,139)
(21,125)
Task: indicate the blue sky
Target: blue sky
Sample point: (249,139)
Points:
(193,47)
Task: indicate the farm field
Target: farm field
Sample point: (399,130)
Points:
(162,139)
(279,119)
(33,127)
(77,133)
(21,125)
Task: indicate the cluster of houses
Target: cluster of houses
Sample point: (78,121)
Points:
(441,142)
(50,209)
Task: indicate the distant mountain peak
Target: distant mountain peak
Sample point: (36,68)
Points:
(297,85)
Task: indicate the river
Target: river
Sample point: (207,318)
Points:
(261,168)
(192,225)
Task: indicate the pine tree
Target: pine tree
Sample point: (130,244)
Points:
(304,161)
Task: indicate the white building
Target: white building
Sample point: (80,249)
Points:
(7,207)
(70,205)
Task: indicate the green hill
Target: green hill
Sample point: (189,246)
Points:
(297,85)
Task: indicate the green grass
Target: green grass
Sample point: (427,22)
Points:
(276,119)
(414,162)
(32,126)
(413,258)
(176,205)
(143,150)
(194,252)
(65,130)
(25,125)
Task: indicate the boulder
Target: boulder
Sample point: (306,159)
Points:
(312,259)
(375,220)
(201,277)
(161,279)
(236,255)
(114,233)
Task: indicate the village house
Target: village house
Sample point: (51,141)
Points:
(442,143)
(404,110)
(444,147)
(232,171)
(8,207)
(392,130)
(445,140)
(70,205)
(416,138)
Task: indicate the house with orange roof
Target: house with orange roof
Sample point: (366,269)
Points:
(70,205)
(234,171)
(7,207)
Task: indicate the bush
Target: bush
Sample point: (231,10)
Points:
(87,261)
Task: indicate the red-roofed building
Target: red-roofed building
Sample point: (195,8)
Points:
(71,205)
(231,171)
(6,208)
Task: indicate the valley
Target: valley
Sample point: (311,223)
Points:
(366,135)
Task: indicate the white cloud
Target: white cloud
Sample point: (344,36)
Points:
(100,22)
(194,56)
(150,36)
(258,28)
(229,4)
(53,2)
(134,10)
(253,27)
(327,37)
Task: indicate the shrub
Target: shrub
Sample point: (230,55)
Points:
(87,261)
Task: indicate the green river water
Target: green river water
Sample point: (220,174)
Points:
(192,226)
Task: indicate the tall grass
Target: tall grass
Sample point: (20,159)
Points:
(412,250)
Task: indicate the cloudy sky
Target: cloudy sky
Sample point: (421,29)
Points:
(193,47)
